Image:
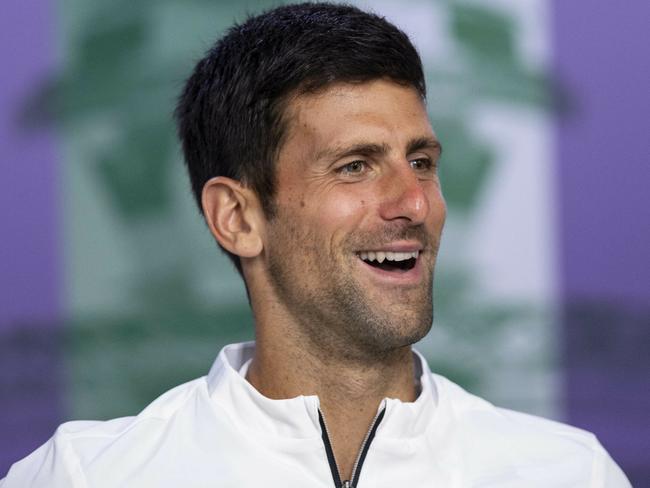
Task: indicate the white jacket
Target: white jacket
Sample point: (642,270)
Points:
(218,431)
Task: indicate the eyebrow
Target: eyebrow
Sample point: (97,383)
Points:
(372,149)
(420,143)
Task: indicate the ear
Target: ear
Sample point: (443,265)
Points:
(234,216)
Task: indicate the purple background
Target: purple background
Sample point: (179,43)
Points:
(30,255)
(29,205)
(603,67)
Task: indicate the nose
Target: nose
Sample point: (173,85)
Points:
(404,196)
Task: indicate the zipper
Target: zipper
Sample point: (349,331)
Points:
(329,451)
(361,456)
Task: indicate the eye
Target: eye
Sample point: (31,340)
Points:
(422,164)
(353,167)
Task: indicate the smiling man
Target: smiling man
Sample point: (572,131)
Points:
(311,156)
(340,277)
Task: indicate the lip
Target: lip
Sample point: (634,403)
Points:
(398,246)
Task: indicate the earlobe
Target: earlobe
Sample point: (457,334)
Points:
(232,213)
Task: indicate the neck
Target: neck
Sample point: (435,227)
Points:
(281,371)
(350,390)
(288,362)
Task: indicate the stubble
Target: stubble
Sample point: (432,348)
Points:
(336,313)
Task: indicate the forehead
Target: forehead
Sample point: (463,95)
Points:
(380,112)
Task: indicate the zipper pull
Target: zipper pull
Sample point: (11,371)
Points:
(346,484)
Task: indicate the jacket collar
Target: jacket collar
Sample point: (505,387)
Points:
(298,417)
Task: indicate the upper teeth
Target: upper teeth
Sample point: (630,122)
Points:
(381,256)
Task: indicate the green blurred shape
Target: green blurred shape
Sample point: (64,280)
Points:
(136,171)
(486,38)
(484,33)
(126,64)
(464,166)
(119,364)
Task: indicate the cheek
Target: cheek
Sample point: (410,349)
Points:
(341,209)
(323,217)
(341,215)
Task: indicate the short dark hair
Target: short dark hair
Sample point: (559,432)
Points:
(230,113)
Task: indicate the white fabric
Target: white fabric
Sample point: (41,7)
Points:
(218,431)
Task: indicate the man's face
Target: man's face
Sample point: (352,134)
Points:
(351,250)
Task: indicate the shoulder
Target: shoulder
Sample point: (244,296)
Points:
(477,414)
(504,439)
(64,458)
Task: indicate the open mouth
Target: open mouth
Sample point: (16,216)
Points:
(390,261)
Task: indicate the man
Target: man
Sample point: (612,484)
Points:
(311,156)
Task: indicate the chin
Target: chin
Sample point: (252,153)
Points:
(384,340)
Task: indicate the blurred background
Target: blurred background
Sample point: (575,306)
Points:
(112,290)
